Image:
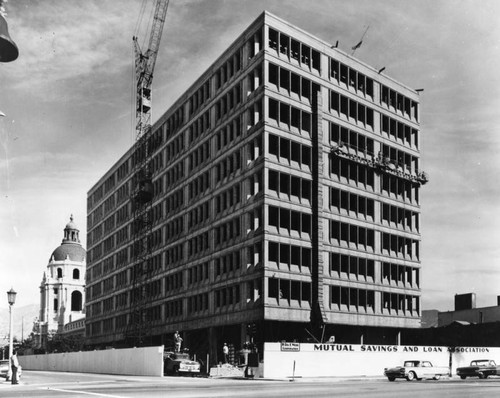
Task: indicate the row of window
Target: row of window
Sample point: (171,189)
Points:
(352,139)
(295,51)
(228,69)
(199,127)
(400,246)
(228,165)
(199,185)
(286,290)
(291,257)
(291,82)
(226,135)
(398,131)
(350,202)
(351,267)
(198,244)
(400,217)
(352,173)
(350,77)
(349,234)
(351,109)
(228,102)
(290,116)
(227,263)
(199,215)
(199,98)
(289,221)
(226,232)
(226,199)
(290,151)
(284,184)
(399,102)
(199,156)
(228,295)
(400,274)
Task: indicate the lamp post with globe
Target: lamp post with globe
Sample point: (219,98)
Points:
(11,298)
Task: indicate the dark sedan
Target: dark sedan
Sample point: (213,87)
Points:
(481,368)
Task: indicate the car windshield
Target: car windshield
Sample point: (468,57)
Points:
(180,356)
(410,364)
(480,363)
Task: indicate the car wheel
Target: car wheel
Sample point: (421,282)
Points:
(437,377)
(411,376)
(463,377)
(391,378)
(482,376)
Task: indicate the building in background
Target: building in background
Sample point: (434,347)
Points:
(466,312)
(285,204)
(62,291)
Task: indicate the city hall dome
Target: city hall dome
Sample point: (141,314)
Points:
(70,247)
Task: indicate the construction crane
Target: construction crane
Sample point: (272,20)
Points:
(144,68)
(139,323)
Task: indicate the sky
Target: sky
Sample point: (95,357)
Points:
(68,104)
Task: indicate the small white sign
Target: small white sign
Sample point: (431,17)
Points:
(285,346)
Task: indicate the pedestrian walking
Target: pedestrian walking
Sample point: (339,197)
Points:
(225,351)
(14,364)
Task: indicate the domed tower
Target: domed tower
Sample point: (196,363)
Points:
(62,291)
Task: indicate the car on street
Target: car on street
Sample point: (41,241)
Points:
(4,367)
(179,363)
(481,368)
(416,369)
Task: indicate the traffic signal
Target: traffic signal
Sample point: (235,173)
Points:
(251,329)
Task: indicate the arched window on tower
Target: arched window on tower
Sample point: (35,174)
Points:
(76,301)
(76,274)
(59,273)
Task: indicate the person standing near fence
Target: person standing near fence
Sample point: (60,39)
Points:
(14,364)
(225,351)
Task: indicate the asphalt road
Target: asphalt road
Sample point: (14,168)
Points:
(70,385)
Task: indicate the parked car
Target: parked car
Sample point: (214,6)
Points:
(179,363)
(416,369)
(481,368)
(4,367)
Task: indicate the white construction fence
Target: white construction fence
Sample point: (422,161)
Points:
(287,359)
(144,361)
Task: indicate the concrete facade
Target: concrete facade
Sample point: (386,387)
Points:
(286,189)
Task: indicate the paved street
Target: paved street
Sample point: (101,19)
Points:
(54,385)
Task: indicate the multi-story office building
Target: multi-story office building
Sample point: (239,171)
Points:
(286,191)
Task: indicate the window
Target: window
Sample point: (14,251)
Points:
(76,301)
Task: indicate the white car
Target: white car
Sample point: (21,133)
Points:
(416,369)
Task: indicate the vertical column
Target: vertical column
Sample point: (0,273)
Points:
(318,314)
(212,345)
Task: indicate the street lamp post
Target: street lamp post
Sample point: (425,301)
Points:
(11,298)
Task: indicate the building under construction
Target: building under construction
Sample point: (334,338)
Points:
(284,204)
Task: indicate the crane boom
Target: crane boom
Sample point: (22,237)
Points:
(144,68)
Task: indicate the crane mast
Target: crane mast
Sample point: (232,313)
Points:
(144,67)
(142,270)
